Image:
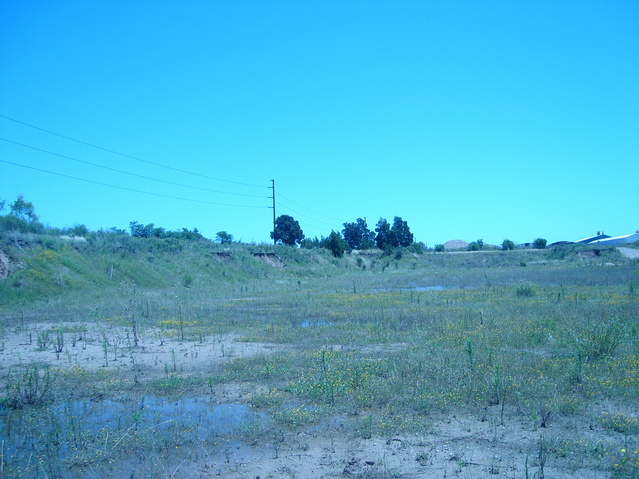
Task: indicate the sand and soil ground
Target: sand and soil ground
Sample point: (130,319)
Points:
(495,443)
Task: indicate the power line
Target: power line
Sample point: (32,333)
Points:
(126,172)
(127,156)
(302,206)
(128,189)
(308,217)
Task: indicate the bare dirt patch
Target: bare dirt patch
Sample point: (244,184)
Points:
(84,346)
(461,447)
(270,259)
(629,252)
(4,265)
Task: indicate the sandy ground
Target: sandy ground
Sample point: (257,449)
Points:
(151,355)
(629,252)
(462,446)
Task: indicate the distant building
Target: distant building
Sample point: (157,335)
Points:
(617,240)
(560,243)
(591,239)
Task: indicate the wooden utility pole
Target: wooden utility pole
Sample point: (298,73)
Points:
(273,188)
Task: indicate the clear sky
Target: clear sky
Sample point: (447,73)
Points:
(469,119)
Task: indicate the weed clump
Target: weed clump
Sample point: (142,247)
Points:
(30,387)
(600,340)
(525,290)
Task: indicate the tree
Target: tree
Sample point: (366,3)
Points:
(357,235)
(336,244)
(287,231)
(401,232)
(223,237)
(539,243)
(140,231)
(23,209)
(310,243)
(507,245)
(383,230)
(476,245)
(393,236)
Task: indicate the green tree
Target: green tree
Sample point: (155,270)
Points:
(287,231)
(223,237)
(23,209)
(310,243)
(476,245)
(357,235)
(336,244)
(384,236)
(539,243)
(507,245)
(140,231)
(401,233)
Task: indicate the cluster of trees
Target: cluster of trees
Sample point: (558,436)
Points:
(139,230)
(539,243)
(355,235)
(21,217)
(287,231)
(506,245)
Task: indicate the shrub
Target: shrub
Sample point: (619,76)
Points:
(600,340)
(31,387)
(539,243)
(476,245)
(525,290)
(507,245)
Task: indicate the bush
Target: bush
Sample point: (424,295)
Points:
(539,243)
(10,223)
(31,387)
(476,245)
(525,290)
(507,245)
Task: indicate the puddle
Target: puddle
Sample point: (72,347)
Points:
(156,414)
(30,433)
(426,288)
(417,289)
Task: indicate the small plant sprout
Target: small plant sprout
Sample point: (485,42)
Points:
(58,346)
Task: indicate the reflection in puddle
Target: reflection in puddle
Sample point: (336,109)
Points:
(157,413)
(436,287)
(57,435)
(426,288)
(315,323)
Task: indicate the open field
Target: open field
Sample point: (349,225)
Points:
(518,364)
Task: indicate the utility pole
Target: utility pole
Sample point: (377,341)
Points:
(273,197)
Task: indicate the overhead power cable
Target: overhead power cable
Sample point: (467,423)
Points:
(126,172)
(302,206)
(128,189)
(128,156)
(308,217)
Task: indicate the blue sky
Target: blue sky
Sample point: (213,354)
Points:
(469,119)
